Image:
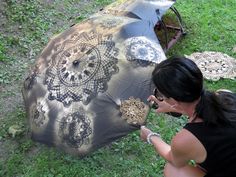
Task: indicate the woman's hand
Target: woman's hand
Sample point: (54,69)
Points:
(163,106)
(144,133)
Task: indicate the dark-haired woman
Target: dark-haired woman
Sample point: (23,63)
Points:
(209,137)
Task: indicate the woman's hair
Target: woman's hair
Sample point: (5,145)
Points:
(181,79)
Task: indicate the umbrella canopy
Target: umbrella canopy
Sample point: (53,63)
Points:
(150,10)
(90,84)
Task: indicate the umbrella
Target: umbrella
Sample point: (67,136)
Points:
(90,84)
(150,10)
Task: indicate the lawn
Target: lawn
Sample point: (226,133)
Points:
(25,28)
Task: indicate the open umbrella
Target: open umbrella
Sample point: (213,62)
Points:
(150,10)
(90,84)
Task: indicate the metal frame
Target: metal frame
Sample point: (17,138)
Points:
(180,31)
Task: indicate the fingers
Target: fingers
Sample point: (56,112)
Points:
(152,98)
(153,101)
(143,128)
(144,133)
(159,106)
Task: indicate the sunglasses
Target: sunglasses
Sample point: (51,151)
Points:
(158,95)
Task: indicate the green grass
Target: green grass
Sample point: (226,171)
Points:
(3,56)
(210,27)
(127,157)
(28,27)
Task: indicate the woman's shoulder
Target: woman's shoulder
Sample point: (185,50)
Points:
(184,142)
(183,136)
(185,139)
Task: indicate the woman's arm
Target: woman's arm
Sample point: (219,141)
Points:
(178,153)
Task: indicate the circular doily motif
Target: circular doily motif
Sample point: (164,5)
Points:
(75,129)
(215,65)
(38,115)
(143,51)
(78,64)
(82,68)
(134,111)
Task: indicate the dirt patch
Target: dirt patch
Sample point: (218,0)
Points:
(2,16)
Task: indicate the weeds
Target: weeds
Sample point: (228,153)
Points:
(29,26)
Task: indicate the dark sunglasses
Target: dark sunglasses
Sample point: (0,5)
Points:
(158,95)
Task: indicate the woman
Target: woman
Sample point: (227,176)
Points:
(209,137)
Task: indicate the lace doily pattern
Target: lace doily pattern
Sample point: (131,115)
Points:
(111,22)
(134,111)
(215,65)
(31,80)
(38,117)
(118,6)
(83,69)
(75,129)
(143,51)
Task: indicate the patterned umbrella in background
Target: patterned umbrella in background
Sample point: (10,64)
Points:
(90,84)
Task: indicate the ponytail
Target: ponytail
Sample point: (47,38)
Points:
(211,109)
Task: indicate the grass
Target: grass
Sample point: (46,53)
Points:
(3,56)
(209,28)
(27,28)
(27,158)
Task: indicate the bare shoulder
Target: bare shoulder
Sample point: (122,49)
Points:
(183,141)
(186,144)
(182,137)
